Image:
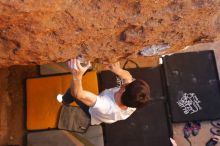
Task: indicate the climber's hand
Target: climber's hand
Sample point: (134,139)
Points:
(77,69)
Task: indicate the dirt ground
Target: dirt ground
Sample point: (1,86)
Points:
(12,101)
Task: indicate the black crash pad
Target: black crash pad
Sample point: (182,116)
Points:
(148,126)
(193,86)
(152,75)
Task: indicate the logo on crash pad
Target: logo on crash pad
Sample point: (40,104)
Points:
(119,81)
(189,103)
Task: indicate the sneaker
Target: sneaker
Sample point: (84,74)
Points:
(216,123)
(215,131)
(196,126)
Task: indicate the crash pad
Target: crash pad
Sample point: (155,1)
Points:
(41,93)
(93,135)
(147,126)
(53,138)
(193,86)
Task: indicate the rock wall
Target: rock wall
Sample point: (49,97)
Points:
(45,31)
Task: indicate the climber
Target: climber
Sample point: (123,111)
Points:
(112,104)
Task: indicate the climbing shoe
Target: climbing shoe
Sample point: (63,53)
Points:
(187,129)
(196,126)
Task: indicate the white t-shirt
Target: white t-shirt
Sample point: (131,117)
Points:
(106,110)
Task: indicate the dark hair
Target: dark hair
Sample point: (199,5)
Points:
(136,94)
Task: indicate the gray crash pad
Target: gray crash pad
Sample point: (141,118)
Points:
(53,138)
(93,135)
